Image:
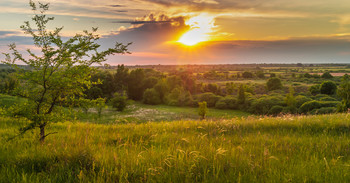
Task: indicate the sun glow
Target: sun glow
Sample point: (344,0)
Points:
(200,28)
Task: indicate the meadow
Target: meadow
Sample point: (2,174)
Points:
(248,149)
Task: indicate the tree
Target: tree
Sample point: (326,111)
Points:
(151,96)
(60,72)
(328,88)
(344,92)
(327,75)
(100,104)
(274,84)
(247,74)
(202,109)
(119,101)
(241,95)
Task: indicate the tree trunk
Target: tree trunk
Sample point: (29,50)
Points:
(42,133)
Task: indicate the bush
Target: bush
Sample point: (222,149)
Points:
(247,74)
(327,98)
(229,102)
(151,96)
(324,110)
(300,100)
(275,110)
(209,98)
(202,109)
(274,84)
(328,88)
(327,75)
(312,105)
(263,104)
(119,101)
(315,89)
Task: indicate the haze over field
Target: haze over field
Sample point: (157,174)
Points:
(200,31)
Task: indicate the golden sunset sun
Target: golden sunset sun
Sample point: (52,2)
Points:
(200,28)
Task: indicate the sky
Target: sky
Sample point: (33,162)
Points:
(170,32)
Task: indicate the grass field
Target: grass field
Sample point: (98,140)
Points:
(284,149)
(140,113)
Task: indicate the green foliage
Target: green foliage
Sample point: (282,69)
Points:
(202,109)
(315,89)
(327,75)
(60,72)
(135,87)
(162,88)
(247,75)
(290,99)
(151,96)
(179,97)
(312,105)
(275,110)
(209,98)
(228,102)
(119,101)
(344,92)
(328,88)
(300,100)
(241,95)
(99,105)
(94,93)
(324,110)
(86,104)
(264,104)
(274,84)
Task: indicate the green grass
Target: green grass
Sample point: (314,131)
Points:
(7,100)
(141,113)
(284,149)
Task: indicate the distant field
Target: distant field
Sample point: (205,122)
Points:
(141,113)
(284,149)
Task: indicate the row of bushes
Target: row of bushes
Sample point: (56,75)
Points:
(272,104)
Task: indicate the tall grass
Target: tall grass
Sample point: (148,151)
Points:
(284,149)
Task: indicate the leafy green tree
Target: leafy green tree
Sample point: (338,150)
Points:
(202,109)
(290,99)
(315,89)
(86,104)
(274,84)
(151,96)
(135,87)
(327,75)
(241,94)
(100,104)
(119,101)
(344,92)
(328,88)
(61,71)
(247,75)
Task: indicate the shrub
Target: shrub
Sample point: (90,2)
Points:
(151,96)
(327,98)
(275,110)
(229,102)
(328,87)
(263,104)
(119,101)
(324,110)
(247,74)
(209,98)
(202,109)
(327,75)
(274,84)
(300,100)
(312,105)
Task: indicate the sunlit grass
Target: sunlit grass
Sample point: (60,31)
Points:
(284,149)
